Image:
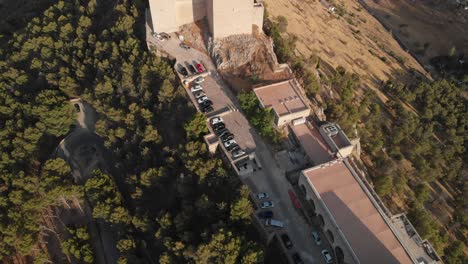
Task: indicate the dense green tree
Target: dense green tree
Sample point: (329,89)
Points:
(262,119)
(223,247)
(78,245)
(454,254)
(196,127)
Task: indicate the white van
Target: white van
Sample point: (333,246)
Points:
(272,222)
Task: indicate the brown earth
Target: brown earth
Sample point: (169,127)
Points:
(361,44)
(428,28)
(356,40)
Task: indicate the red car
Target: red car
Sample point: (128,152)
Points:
(200,68)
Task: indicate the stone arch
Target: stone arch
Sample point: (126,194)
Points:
(321,221)
(312,204)
(330,236)
(339,255)
(303,189)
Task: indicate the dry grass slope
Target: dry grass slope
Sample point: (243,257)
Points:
(356,40)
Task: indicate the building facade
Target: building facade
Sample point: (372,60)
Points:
(225,17)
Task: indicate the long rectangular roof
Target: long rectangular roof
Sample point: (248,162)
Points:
(313,143)
(283,97)
(363,226)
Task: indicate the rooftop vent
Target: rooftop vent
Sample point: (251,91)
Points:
(331,129)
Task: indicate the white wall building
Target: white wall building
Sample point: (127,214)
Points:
(225,17)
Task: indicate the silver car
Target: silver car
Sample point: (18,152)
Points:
(199,80)
(229,143)
(326,255)
(238,153)
(196,88)
(317,238)
(267,204)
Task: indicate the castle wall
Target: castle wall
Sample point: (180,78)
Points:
(163,15)
(225,17)
(189,11)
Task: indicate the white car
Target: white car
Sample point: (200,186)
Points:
(267,204)
(238,153)
(273,222)
(196,88)
(199,80)
(317,238)
(326,255)
(262,195)
(229,143)
(215,120)
(202,99)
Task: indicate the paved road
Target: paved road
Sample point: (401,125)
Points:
(270,178)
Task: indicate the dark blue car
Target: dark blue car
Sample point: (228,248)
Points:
(265,214)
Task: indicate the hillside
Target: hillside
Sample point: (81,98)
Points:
(354,40)
(411,21)
(411,128)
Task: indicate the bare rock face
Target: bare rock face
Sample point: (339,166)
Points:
(243,54)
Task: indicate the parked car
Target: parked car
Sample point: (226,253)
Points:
(196,88)
(184,46)
(183,71)
(229,143)
(222,132)
(326,255)
(317,239)
(199,94)
(297,258)
(219,126)
(273,222)
(161,36)
(199,80)
(200,68)
(164,35)
(286,241)
(265,214)
(237,153)
(267,204)
(207,103)
(227,137)
(207,109)
(215,120)
(233,148)
(202,99)
(262,195)
(191,69)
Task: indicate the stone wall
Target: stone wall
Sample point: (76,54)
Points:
(189,11)
(225,17)
(286,119)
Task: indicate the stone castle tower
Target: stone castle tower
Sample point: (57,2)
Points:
(225,17)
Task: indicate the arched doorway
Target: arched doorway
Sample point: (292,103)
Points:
(321,221)
(312,204)
(339,255)
(330,236)
(303,189)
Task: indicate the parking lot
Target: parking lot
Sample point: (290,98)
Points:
(268,177)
